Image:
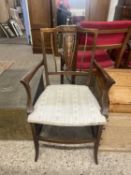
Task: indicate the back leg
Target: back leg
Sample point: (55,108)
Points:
(36,140)
(97,142)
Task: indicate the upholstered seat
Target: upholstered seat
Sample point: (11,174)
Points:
(106,39)
(111,35)
(67,105)
(83,59)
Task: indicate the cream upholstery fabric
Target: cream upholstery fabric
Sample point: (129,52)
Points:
(67,105)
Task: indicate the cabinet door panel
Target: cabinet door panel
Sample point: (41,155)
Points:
(36,37)
(128,3)
(123,10)
(97,10)
(40,13)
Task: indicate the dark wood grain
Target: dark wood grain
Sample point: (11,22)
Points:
(40,13)
(123,10)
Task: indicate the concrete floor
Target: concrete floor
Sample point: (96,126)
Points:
(20,54)
(17,157)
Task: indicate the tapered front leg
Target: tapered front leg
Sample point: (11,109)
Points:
(97,142)
(36,140)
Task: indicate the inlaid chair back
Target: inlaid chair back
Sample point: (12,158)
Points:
(111,35)
(64,41)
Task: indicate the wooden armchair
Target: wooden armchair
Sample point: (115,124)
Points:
(111,35)
(67,105)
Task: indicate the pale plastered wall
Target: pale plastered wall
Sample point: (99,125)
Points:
(4,11)
(112,10)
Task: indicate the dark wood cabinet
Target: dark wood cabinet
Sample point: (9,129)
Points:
(123,10)
(40,13)
(97,10)
(124,2)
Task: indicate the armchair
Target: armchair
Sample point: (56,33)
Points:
(111,35)
(68,105)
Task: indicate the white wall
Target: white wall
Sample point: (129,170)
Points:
(4,11)
(112,9)
(77,4)
(24,4)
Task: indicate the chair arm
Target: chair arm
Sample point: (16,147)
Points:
(102,85)
(26,83)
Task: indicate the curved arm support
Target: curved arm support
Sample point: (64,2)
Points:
(105,83)
(26,83)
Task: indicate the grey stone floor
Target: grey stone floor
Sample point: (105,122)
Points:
(20,54)
(16,40)
(17,157)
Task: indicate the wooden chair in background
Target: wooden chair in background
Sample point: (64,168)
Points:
(109,37)
(113,35)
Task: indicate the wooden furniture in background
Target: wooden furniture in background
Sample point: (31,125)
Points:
(111,35)
(40,13)
(97,10)
(123,10)
(117,135)
(120,93)
(43,14)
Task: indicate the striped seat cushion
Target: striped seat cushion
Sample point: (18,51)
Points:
(67,105)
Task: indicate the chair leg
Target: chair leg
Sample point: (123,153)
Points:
(73,79)
(62,76)
(96,145)
(36,140)
(62,79)
(93,131)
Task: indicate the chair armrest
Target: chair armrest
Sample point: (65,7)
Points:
(103,83)
(26,83)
